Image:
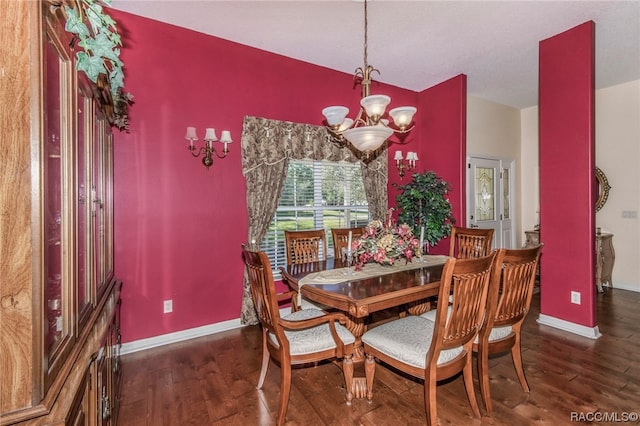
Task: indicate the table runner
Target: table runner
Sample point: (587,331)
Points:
(334,276)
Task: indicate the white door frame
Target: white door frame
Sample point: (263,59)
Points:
(504,235)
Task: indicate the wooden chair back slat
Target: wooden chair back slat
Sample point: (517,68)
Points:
(459,323)
(470,243)
(340,238)
(305,246)
(262,286)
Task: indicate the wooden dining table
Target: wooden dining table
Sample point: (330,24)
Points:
(360,293)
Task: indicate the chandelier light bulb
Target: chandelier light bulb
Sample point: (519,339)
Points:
(375,105)
(347,123)
(402,116)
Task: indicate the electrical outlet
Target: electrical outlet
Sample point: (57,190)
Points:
(168,306)
(575,297)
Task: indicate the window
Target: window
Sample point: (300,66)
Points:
(316,195)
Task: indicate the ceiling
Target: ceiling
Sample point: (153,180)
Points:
(417,44)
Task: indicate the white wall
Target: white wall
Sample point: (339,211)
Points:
(618,155)
(530,188)
(493,131)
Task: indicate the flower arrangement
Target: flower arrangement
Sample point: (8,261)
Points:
(385,243)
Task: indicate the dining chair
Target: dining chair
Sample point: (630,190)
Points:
(340,238)
(435,351)
(508,302)
(305,246)
(302,337)
(467,243)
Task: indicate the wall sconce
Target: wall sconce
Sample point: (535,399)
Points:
(208,149)
(410,163)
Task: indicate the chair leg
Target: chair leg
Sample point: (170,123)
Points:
(265,360)
(347,370)
(285,390)
(369,371)
(483,377)
(516,354)
(430,406)
(467,373)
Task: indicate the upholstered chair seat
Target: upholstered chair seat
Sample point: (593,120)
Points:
(315,339)
(407,339)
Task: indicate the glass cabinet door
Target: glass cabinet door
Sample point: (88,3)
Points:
(53,199)
(56,215)
(98,208)
(85,138)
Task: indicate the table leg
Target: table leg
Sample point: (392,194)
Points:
(357,327)
(360,386)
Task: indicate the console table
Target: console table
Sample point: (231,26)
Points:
(605,256)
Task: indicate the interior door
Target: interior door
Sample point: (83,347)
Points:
(489,183)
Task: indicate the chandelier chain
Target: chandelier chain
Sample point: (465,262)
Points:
(366,41)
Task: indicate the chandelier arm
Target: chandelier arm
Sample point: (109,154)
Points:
(224,153)
(361,119)
(407,130)
(196,152)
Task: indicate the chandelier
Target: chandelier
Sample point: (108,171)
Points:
(369,130)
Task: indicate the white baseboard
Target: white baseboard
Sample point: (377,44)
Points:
(629,287)
(179,336)
(581,330)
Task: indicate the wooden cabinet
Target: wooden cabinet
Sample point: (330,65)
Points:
(59,299)
(532,238)
(605,258)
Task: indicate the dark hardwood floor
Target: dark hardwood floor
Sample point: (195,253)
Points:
(211,380)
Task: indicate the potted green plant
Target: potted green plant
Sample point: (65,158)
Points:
(422,203)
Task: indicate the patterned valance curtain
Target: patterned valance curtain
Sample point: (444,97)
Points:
(267,147)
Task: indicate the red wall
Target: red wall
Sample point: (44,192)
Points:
(443,148)
(567,164)
(178,228)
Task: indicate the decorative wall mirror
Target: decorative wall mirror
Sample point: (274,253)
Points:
(603,188)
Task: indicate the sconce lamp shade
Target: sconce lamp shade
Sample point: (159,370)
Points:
(335,115)
(191,134)
(368,138)
(402,116)
(398,156)
(226,137)
(210,135)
